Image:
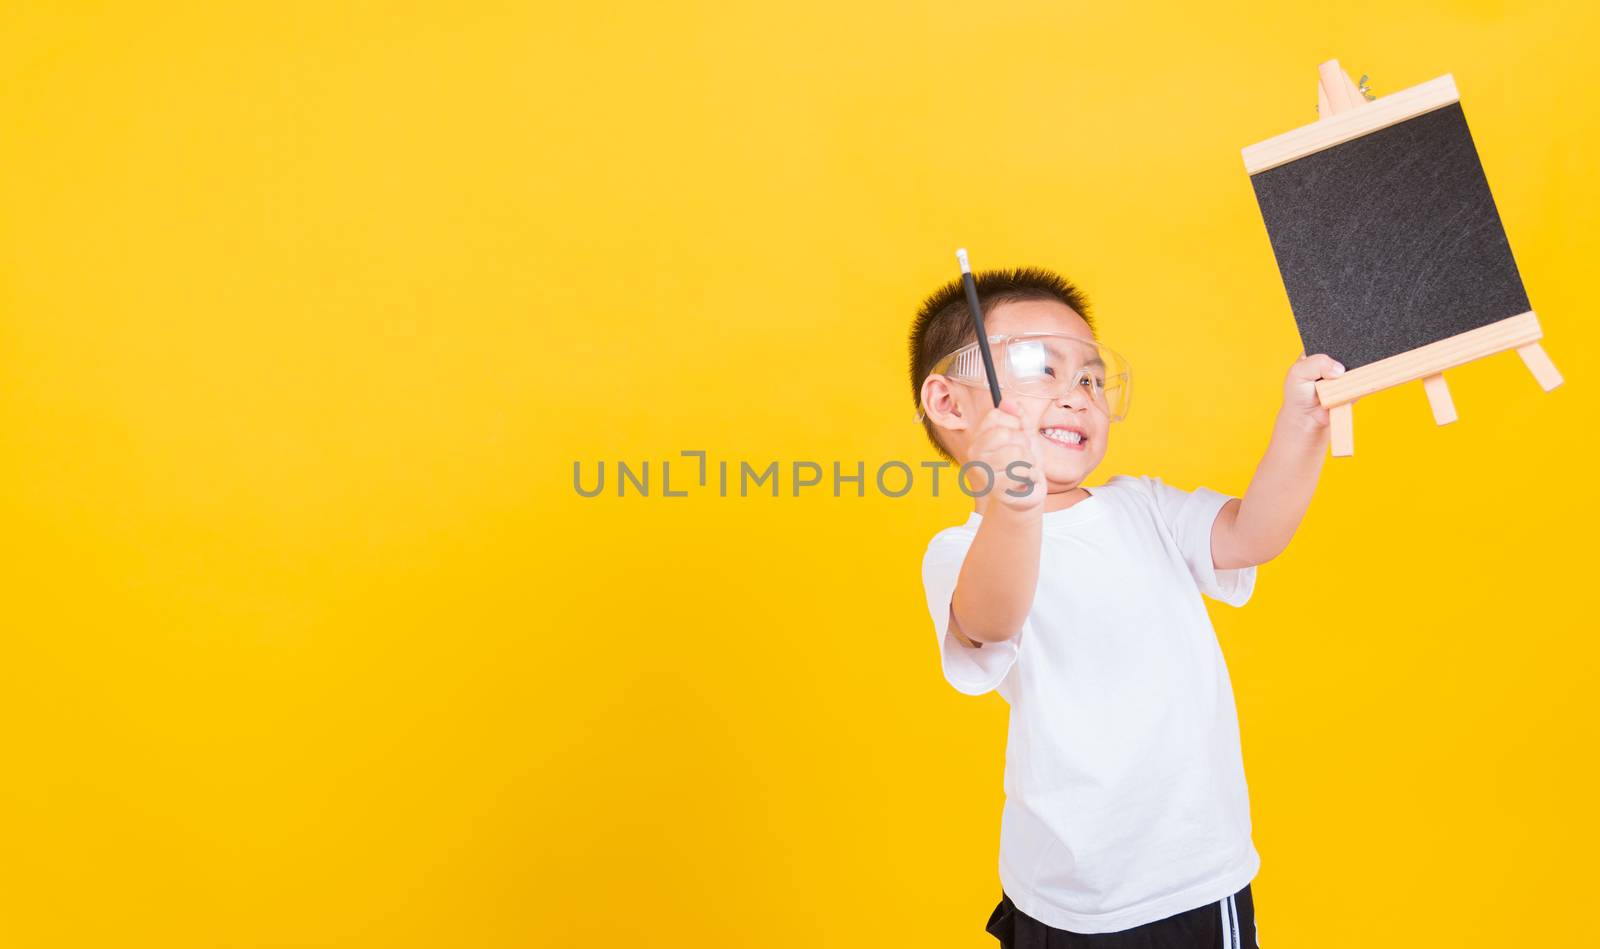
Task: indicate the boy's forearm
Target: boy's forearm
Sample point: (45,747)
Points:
(1281,490)
(1000,575)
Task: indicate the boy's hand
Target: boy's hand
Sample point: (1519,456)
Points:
(1001,440)
(1300,401)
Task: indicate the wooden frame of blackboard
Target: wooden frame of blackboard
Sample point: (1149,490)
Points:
(1346,115)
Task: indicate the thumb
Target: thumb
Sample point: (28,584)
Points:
(1009,407)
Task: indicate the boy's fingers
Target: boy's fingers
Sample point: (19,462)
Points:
(1003,421)
(1009,443)
(1319,366)
(997,438)
(1004,442)
(1010,408)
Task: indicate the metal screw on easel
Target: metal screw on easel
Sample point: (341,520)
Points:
(1362,87)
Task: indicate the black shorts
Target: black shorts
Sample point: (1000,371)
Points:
(1229,923)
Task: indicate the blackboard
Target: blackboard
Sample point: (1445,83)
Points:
(1390,240)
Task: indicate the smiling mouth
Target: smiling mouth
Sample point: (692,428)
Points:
(1067,438)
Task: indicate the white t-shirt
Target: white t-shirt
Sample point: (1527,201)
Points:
(1125,788)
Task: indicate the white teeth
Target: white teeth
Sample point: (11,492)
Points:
(1062,435)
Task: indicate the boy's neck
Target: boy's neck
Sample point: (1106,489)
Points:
(1059,500)
(1065,499)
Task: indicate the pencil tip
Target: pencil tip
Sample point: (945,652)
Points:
(961,255)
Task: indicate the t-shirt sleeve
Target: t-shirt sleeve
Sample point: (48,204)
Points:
(1190,516)
(972,671)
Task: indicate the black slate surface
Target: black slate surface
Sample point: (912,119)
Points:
(1390,241)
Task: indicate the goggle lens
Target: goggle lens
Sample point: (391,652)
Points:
(1049,365)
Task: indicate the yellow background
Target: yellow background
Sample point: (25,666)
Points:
(307,310)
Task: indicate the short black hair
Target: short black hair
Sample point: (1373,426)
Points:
(944,324)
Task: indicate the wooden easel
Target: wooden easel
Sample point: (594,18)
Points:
(1339,105)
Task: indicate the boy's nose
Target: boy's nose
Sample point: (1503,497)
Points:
(1074,398)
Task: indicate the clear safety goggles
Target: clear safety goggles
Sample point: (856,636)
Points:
(1049,365)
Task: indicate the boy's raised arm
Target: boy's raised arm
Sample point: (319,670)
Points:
(1258,527)
(995,589)
(998,578)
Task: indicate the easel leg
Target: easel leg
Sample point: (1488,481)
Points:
(1341,430)
(1539,364)
(1444,410)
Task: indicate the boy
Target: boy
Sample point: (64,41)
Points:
(1126,821)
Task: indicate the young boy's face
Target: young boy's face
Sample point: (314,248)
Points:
(1066,465)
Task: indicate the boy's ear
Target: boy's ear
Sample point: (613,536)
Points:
(940,405)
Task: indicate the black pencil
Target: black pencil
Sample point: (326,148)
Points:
(971,286)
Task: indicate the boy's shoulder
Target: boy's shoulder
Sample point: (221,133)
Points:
(1144,483)
(1118,484)
(955,535)
(1143,487)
